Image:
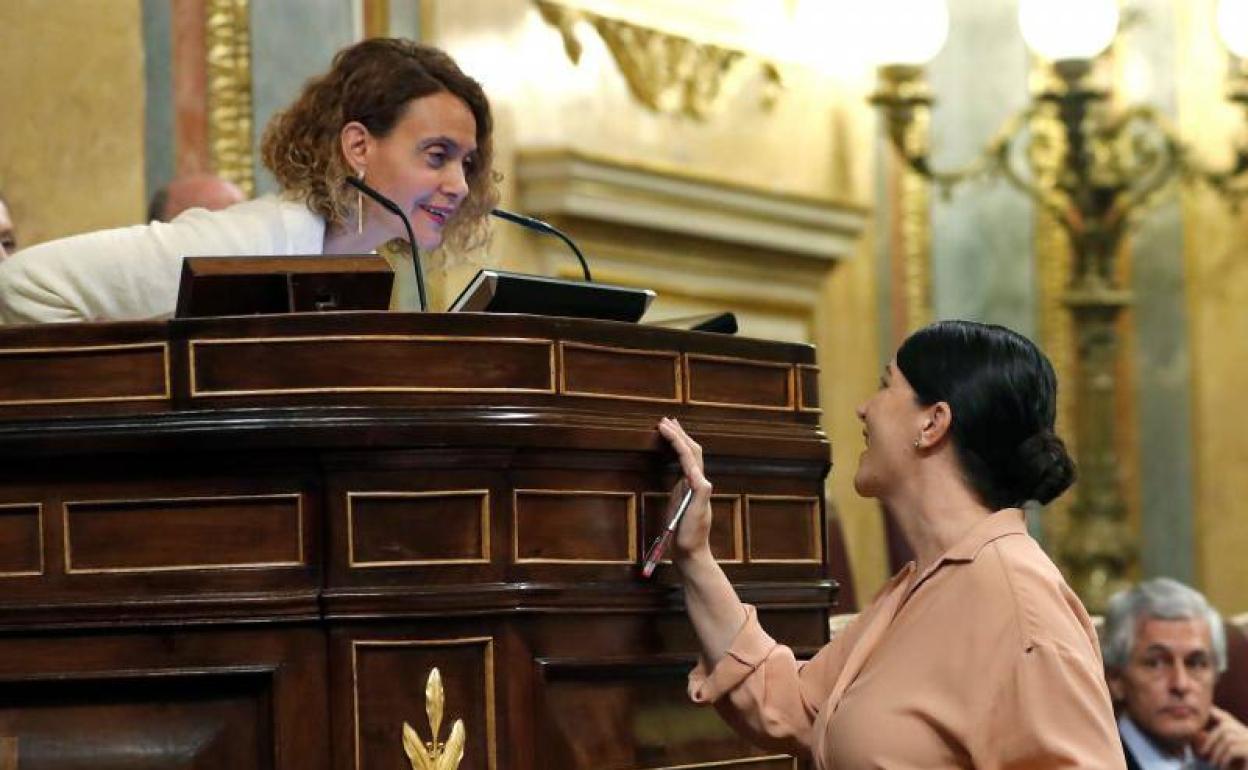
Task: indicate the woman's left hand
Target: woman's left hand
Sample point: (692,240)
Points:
(693,535)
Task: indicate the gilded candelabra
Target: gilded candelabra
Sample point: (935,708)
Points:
(1095,177)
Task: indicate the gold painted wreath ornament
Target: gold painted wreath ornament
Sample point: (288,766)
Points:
(433,755)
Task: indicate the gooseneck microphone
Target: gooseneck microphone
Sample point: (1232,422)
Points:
(393,208)
(549,229)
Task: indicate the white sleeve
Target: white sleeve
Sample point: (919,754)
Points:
(129,273)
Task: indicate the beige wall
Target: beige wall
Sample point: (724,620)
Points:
(71,82)
(1217,295)
(814,143)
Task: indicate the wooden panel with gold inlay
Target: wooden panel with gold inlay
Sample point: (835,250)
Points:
(605,372)
(782,529)
(80,374)
(585,527)
(187,533)
(633,713)
(21,539)
(379,363)
(391,529)
(727,533)
(808,388)
(739,383)
(388,677)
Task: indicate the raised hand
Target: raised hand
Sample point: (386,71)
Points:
(693,536)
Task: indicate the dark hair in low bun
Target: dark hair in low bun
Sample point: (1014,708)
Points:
(1002,393)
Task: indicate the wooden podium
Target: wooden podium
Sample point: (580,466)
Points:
(247,542)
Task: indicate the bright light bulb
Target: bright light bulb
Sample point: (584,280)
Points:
(904,31)
(1233,26)
(1068,29)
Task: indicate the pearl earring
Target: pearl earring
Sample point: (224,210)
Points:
(359,208)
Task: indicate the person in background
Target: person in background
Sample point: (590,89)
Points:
(977,654)
(1164,648)
(195,191)
(398,114)
(8,235)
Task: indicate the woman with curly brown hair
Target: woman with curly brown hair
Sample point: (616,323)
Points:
(400,115)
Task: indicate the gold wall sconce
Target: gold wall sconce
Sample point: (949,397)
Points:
(1096,176)
(665,72)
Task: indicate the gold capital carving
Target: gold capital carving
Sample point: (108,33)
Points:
(665,72)
(433,754)
(228,45)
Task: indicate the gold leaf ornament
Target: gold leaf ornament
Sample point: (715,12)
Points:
(431,754)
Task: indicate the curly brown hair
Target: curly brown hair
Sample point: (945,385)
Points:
(373,82)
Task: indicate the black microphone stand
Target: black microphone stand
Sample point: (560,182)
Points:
(544,227)
(393,208)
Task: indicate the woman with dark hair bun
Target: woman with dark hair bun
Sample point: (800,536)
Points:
(398,115)
(975,655)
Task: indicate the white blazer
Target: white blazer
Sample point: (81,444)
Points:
(132,273)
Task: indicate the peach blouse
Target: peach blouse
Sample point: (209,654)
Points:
(985,660)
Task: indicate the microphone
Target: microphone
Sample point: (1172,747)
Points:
(393,208)
(544,227)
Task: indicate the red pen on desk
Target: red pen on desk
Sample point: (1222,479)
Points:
(659,547)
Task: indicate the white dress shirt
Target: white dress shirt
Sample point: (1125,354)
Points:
(1147,755)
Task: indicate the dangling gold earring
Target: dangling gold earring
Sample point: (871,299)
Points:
(359,208)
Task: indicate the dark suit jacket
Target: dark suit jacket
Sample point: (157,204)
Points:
(1133,763)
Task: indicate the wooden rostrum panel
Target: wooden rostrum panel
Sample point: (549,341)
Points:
(230,501)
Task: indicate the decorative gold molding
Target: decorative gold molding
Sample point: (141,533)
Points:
(1054,264)
(665,72)
(433,754)
(487,660)
(228,46)
(915,212)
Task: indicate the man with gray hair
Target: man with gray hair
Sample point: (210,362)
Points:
(1164,647)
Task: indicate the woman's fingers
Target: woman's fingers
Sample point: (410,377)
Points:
(688,452)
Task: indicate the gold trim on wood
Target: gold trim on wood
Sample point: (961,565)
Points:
(790,397)
(196,392)
(667,73)
(801,390)
(487,642)
(730,763)
(738,523)
(815,529)
(227,31)
(676,372)
(515,524)
(39,515)
(484,494)
(70,570)
(164,356)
